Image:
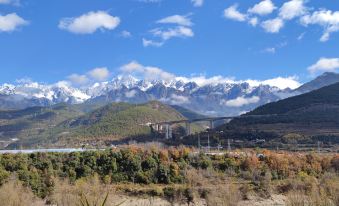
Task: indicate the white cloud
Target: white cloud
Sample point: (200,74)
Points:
(292,9)
(132,67)
(146,72)
(240,101)
(301,36)
(90,22)
(5,1)
(147,43)
(265,7)
(126,34)
(197,3)
(150,1)
(155,73)
(270,50)
(25,80)
(253,21)
(279,82)
(13,2)
(275,48)
(273,25)
(324,65)
(130,94)
(11,22)
(176,100)
(96,74)
(179,31)
(203,80)
(99,74)
(78,79)
(326,18)
(233,13)
(176,19)
(283,83)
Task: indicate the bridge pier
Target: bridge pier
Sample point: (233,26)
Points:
(155,127)
(188,128)
(211,124)
(166,127)
(169,134)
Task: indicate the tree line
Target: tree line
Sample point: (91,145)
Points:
(154,166)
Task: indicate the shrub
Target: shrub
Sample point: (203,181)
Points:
(3,176)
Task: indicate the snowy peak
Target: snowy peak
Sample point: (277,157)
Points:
(55,93)
(218,96)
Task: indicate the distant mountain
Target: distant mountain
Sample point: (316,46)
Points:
(328,95)
(215,98)
(313,114)
(323,80)
(31,94)
(210,99)
(189,114)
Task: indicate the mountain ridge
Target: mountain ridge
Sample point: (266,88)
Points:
(214,98)
(323,80)
(313,115)
(188,94)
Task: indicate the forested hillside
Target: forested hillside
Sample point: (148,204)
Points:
(305,119)
(65,125)
(120,120)
(23,124)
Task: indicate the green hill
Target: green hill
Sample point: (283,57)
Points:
(113,122)
(73,125)
(328,95)
(121,119)
(313,115)
(30,122)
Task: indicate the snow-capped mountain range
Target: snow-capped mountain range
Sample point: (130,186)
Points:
(213,98)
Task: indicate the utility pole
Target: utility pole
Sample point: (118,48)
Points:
(208,141)
(219,142)
(318,147)
(50,123)
(228,145)
(199,141)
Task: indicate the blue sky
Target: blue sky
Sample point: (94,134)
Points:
(49,41)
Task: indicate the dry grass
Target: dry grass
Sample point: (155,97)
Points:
(90,188)
(203,187)
(216,188)
(224,195)
(13,193)
(313,192)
